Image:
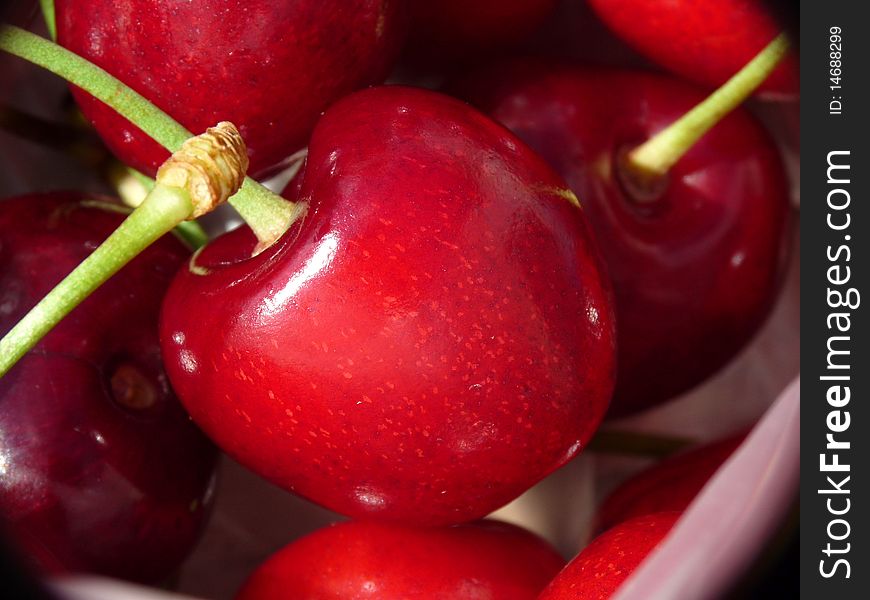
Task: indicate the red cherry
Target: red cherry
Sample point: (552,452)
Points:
(100,467)
(696,270)
(706,41)
(598,571)
(270,67)
(435,336)
(574,32)
(670,485)
(359,560)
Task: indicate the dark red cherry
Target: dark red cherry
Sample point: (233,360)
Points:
(695,270)
(435,337)
(269,66)
(706,41)
(100,468)
(670,485)
(359,560)
(598,571)
(452,29)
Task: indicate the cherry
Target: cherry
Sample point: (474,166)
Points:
(432,339)
(574,32)
(269,66)
(598,571)
(696,259)
(100,467)
(670,485)
(487,559)
(706,41)
(453,29)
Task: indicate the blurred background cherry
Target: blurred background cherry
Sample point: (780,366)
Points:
(101,469)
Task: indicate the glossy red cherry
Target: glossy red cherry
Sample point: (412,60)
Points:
(598,571)
(433,339)
(450,29)
(270,67)
(100,467)
(670,485)
(696,269)
(361,560)
(706,41)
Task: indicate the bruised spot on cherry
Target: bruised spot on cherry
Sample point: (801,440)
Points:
(131,388)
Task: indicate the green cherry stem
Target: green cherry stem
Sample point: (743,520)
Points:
(652,160)
(81,144)
(47,7)
(192,234)
(164,208)
(133,187)
(203,173)
(268,214)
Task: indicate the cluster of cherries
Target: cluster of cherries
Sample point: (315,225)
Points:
(475,281)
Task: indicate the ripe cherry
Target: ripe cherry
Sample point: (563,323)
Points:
(598,571)
(706,41)
(670,485)
(270,67)
(695,262)
(432,339)
(487,559)
(100,468)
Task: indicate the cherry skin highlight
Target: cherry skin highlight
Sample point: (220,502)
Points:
(101,470)
(706,41)
(598,571)
(431,340)
(670,485)
(359,560)
(695,268)
(269,66)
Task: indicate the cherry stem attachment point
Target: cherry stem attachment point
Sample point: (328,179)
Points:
(133,187)
(652,160)
(204,172)
(81,144)
(268,214)
(164,208)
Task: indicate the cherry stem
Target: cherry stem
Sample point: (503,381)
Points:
(652,160)
(632,443)
(164,208)
(268,214)
(47,7)
(133,187)
(192,234)
(198,177)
